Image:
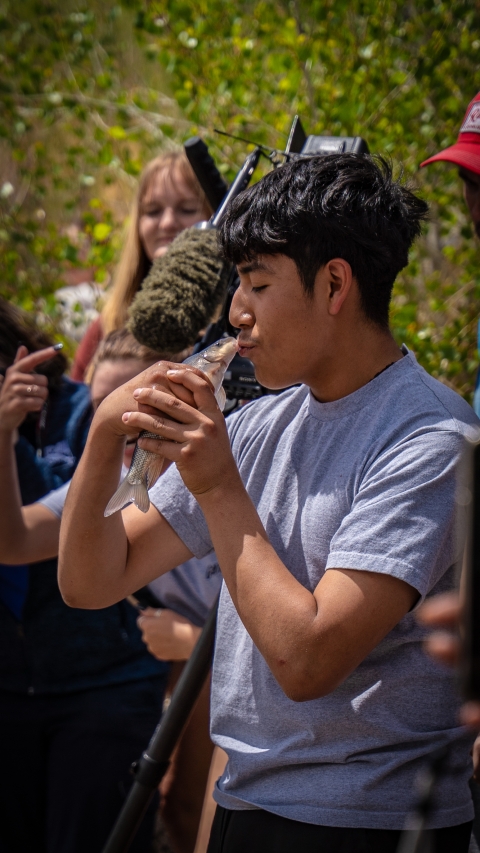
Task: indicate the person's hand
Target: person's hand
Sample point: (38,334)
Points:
(167,635)
(23,390)
(194,433)
(444,612)
(476,760)
(111,409)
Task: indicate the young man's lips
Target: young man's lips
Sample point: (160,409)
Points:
(245,349)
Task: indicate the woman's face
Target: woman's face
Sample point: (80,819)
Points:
(168,207)
(110,375)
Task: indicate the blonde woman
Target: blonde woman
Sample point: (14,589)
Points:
(168,200)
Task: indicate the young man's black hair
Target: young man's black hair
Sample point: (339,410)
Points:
(335,206)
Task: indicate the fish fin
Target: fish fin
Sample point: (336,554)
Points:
(126,494)
(221,398)
(141,499)
(154,470)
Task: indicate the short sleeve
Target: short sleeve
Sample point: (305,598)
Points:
(55,500)
(173,500)
(403,517)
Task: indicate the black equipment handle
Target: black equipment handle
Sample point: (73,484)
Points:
(153,764)
(206,171)
(414,838)
(239,184)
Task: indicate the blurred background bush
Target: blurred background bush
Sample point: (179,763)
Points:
(91,90)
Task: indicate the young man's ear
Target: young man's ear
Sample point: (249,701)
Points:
(339,282)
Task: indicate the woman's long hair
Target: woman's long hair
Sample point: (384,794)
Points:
(134,264)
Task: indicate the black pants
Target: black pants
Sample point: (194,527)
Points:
(65,761)
(257,831)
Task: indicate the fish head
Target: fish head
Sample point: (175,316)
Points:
(214,359)
(221,351)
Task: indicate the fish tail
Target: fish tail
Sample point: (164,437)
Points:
(128,493)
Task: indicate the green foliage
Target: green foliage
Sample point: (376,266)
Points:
(76,125)
(91,91)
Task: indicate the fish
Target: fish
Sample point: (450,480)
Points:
(146,467)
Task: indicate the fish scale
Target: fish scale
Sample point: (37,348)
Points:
(146,466)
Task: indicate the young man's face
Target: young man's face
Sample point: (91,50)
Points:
(282,330)
(471,192)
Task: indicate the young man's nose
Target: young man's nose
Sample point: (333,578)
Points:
(240,315)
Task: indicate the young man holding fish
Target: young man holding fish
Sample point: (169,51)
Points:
(331,511)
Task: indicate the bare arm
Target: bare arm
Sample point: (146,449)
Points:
(101,560)
(27,534)
(311,641)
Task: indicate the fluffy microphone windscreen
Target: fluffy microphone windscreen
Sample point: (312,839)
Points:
(181,292)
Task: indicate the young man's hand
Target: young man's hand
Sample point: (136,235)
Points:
(192,428)
(23,390)
(109,414)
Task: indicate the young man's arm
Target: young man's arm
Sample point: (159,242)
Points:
(311,641)
(101,560)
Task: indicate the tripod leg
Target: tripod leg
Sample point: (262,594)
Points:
(153,764)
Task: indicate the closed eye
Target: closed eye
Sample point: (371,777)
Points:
(258,289)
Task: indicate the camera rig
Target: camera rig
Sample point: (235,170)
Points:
(240,383)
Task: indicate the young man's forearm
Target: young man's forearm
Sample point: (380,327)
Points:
(102,560)
(93,549)
(311,641)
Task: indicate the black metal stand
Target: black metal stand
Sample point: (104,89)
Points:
(415,838)
(153,764)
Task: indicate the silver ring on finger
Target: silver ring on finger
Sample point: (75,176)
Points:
(29,389)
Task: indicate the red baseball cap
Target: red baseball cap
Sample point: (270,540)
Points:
(466,151)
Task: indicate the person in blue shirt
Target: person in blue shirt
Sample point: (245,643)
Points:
(80,695)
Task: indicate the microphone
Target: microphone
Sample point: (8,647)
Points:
(206,171)
(185,286)
(181,293)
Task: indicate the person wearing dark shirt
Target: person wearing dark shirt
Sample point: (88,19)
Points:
(80,695)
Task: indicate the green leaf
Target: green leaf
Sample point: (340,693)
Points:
(101,231)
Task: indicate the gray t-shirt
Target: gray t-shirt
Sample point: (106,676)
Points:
(190,589)
(365,482)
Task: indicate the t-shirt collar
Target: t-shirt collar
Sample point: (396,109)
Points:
(366,395)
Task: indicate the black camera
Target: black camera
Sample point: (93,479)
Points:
(308,146)
(240,383)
